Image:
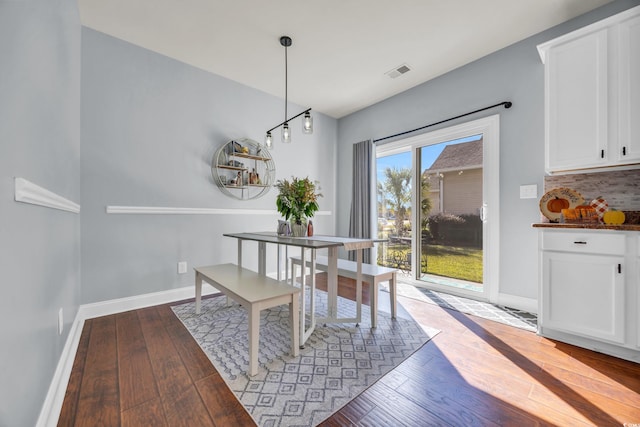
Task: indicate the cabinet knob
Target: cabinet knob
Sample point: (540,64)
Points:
(580,242)
(624,151)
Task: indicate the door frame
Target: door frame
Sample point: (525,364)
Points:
(489,127)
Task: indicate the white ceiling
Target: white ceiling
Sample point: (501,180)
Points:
(341,48)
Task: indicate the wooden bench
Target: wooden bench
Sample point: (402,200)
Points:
(255,293)
(371,274)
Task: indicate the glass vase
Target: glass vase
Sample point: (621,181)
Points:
(298,230)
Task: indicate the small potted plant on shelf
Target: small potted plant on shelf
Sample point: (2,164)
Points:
(297,200)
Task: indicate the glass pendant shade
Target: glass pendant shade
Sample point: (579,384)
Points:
(268,141)
(307,123)
(286,133)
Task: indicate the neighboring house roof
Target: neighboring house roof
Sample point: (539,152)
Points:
(459,156)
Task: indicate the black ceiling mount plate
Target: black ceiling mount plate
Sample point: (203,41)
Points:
(285,41)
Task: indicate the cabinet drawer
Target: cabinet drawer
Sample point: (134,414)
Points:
(593,242)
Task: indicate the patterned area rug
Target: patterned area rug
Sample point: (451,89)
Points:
(509,316)
(338,362)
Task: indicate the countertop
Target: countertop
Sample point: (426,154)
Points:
(621,227)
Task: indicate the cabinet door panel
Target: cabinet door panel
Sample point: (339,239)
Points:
(584,295)
(629,99)
(577,103)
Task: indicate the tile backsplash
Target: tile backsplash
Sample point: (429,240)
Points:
(621,189)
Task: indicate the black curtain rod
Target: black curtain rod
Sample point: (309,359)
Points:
(507,104)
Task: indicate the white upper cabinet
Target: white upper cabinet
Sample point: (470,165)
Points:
(629,93)
(592,95)
(576,80)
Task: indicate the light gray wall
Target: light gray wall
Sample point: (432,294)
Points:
(39,247)
(150,126)
(512,74)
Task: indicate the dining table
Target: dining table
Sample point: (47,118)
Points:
(313,244)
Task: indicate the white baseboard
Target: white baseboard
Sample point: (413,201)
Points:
(105,308)
(52,405)
(521,303)
(50,411)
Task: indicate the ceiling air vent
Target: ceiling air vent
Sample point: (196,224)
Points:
(398,71)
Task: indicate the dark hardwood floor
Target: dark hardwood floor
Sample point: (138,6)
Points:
(142,368)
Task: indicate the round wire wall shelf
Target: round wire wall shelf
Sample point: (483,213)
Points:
(243,169)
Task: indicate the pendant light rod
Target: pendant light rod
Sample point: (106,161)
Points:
(289,119)
(307,123)
(286,42)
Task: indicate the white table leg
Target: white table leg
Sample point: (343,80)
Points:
(312,296)
(254,338)
(359,287)
(302,294)
(279,263)
(229,300)
(373,302)
(286,265)
(332,283)
(198,292)
(294,315)
(262,258)
(393,295)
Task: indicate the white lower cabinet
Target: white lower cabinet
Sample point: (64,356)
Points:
(589,289)
(584,295)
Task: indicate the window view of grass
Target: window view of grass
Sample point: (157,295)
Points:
(446,261)
(454,262)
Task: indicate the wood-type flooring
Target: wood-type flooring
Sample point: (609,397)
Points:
(143,368)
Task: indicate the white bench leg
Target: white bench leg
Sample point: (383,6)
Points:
(254,338)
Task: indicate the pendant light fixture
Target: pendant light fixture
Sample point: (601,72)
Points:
(307,122)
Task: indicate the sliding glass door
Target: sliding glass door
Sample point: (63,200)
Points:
(451,227)
(438,199)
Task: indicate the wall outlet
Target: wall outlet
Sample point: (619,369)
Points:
(60,321)
(182,267)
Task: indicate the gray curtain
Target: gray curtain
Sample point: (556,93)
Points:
(360,217)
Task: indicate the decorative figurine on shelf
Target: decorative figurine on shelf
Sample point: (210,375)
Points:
(245,150)
(253,177)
